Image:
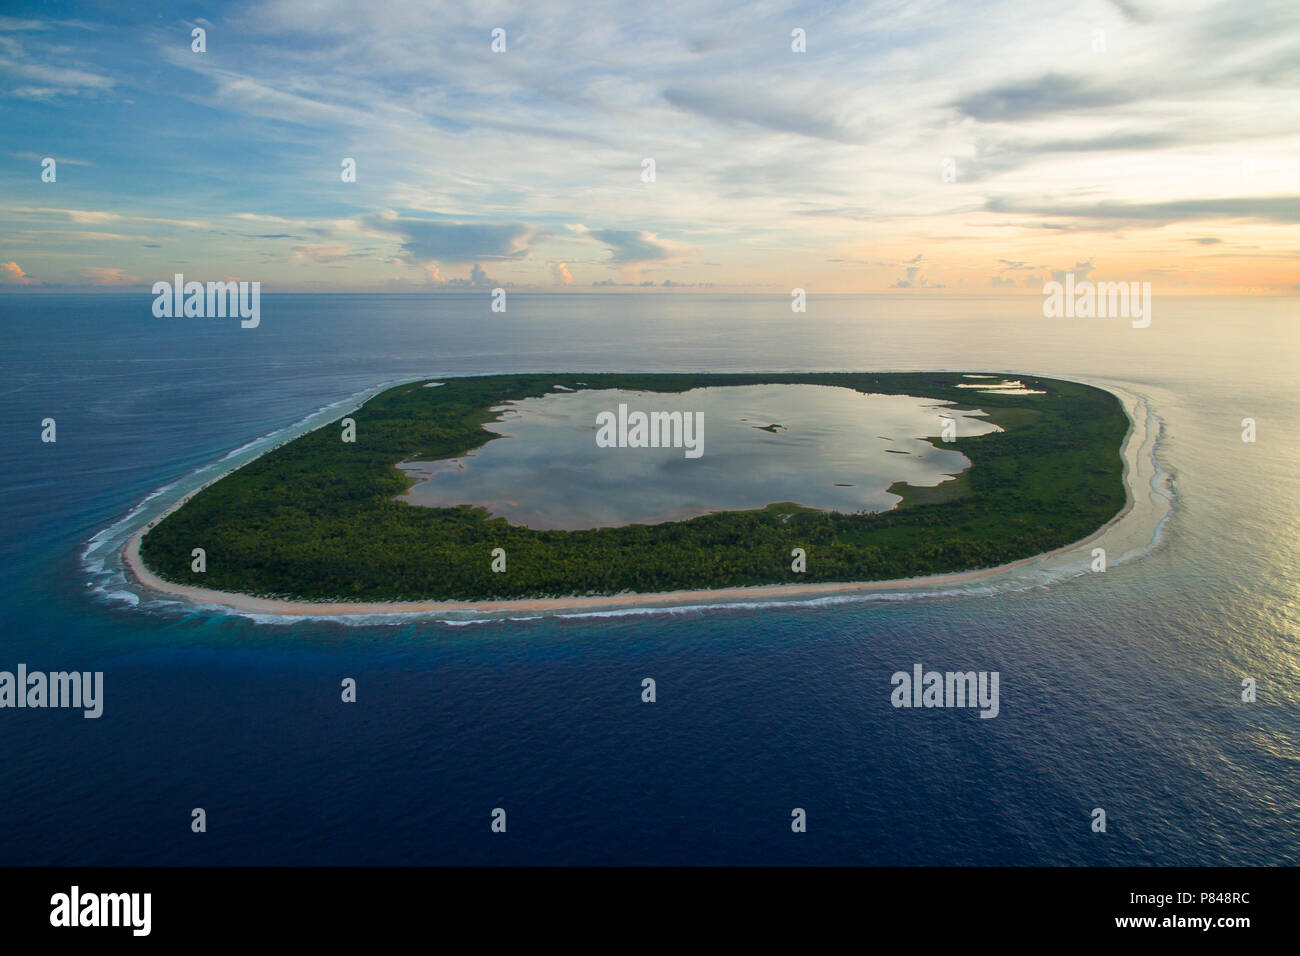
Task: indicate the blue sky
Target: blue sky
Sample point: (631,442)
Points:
(912,147)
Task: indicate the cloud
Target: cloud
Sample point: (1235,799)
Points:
(12,274)
(914,279)
(746,107)
(322,253)
(12,24)
(478,279)
(862,262)
(858,213)
(440,240)
(650,284)
(1206,240)
(1130,11)
(8,24)
(86,216)
(769,160)
(106,276)
(1279,209)
(910,281)
(62,160)
(560,271)
(95,217)
(996,156)
(52,79)
(1081,272)
(632,246)
(1049,95)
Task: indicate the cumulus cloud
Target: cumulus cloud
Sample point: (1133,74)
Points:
(12,274)
(910,281)
(560,271)
(477,278)
(914,279)
(1081,272)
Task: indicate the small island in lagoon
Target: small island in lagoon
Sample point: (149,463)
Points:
(323,519)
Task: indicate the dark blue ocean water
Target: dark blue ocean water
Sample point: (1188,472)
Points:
(1118,690)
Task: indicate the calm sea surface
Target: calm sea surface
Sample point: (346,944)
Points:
(1119,690)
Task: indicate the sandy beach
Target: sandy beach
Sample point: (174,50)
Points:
(244,603)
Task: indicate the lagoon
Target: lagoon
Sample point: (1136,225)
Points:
(824,447)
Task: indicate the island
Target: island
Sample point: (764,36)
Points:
(320,519)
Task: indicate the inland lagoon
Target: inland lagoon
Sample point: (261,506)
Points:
(832,449)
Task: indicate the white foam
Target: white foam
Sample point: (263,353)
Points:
(108,578)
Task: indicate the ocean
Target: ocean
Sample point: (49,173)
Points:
(1120,691)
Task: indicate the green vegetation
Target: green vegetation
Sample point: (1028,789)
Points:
(316,518)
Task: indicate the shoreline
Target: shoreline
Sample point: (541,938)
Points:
(248,604)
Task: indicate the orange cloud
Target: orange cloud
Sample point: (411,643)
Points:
(103,275)
(11,272)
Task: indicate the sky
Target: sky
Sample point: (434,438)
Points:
(909,147)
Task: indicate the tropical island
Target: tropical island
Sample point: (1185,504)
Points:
(320,519)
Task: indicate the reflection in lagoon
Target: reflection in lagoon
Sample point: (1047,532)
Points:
(817,445)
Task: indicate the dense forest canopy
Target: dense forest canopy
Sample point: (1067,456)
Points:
(316,518)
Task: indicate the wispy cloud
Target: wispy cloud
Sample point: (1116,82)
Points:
(739,106)
(774,167)
(1050,95)
(1276,209)
(108,276)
